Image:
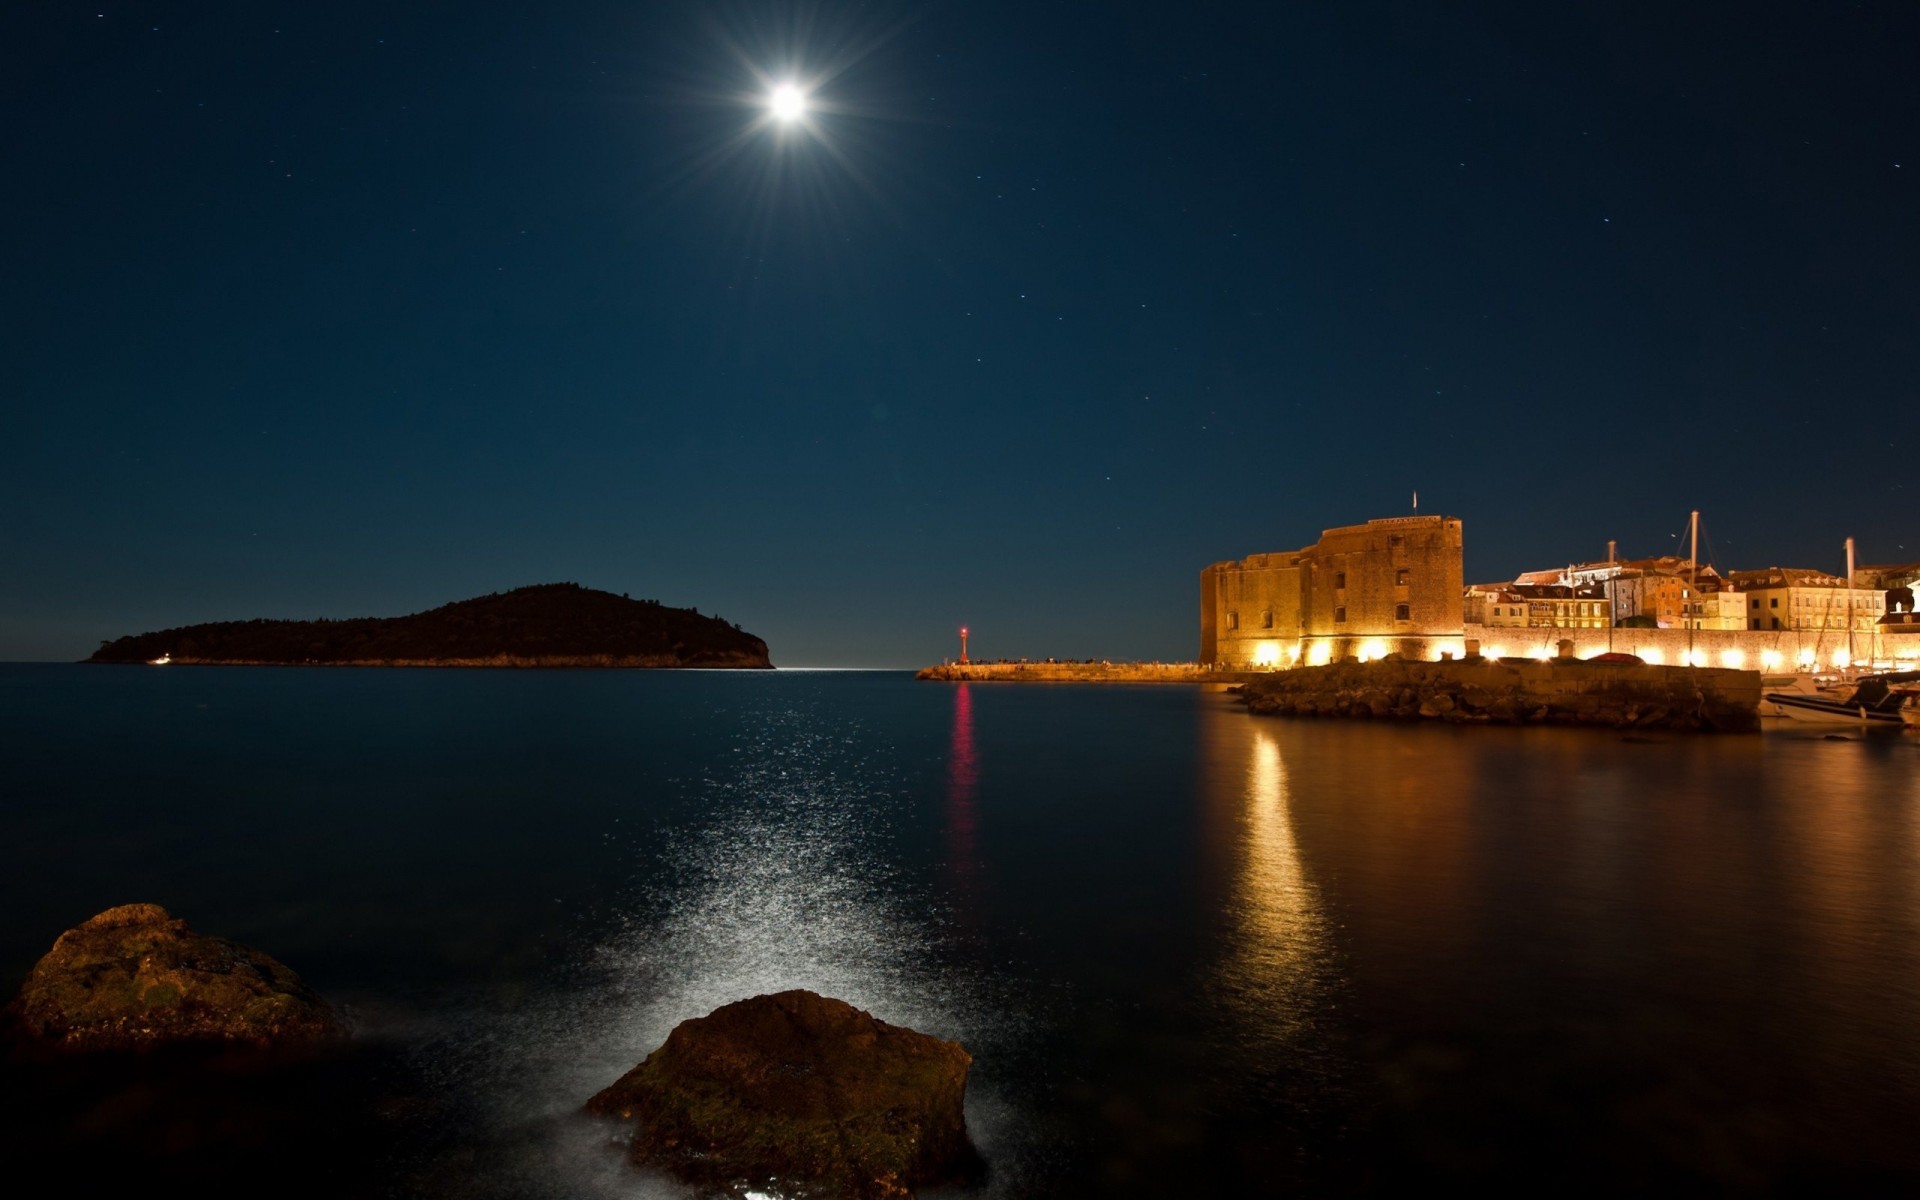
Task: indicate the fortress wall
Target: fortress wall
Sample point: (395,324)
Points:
(1412,561)
(1340,597)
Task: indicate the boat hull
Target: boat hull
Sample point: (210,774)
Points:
(1817,710)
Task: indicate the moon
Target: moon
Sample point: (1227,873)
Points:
(787,104)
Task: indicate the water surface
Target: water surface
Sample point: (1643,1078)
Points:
(1189,949)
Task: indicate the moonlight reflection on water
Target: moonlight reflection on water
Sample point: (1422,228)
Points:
(789,885)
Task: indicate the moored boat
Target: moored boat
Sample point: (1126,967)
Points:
(1875,700)
(1805,683)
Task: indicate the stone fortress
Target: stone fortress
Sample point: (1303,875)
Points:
(1395,586)
(1390,586)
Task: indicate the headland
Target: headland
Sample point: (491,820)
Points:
(547,625)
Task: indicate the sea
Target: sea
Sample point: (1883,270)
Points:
(1192,952)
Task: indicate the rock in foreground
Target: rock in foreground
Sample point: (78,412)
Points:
(800,1092)
(135,978)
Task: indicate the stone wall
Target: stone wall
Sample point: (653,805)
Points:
(1559,692)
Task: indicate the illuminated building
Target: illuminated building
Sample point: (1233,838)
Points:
(1390,586)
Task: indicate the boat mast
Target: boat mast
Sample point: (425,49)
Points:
(1693,583)
(1613,581)
(1849,601)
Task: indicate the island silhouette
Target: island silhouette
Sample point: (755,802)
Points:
(546,625)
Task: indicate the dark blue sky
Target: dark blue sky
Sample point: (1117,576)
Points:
(352,309)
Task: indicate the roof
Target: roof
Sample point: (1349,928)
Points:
(1777,577)
(1526,591)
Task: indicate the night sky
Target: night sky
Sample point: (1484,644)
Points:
(353,309)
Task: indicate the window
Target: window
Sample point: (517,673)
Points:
(1755,604)
(1233,620)
(1394,539)
(1340,614)
(1400,577)
(1266,619)
(1402,612)
(1340,579)
(1774,603)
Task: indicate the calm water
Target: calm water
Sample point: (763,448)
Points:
(1189,949)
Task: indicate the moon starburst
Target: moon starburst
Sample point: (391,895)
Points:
(787,104)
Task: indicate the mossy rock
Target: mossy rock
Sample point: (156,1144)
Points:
(135,978)
(801,1094)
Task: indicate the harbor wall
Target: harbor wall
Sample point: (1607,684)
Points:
(1736,649)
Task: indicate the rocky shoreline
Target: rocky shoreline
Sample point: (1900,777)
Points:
(1507,692)
(172,1060)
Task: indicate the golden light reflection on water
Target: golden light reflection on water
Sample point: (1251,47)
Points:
(1271,974)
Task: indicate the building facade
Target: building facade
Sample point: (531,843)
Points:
(1554,606)
(1718,604)
(1494,604)
(1803,599)
(1390,586)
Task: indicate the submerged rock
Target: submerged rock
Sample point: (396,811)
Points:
(135,978)
(802,1093)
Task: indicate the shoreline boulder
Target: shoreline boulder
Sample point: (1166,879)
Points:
(802,1093)
(136,979)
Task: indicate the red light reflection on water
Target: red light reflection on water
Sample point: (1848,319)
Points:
(963,774)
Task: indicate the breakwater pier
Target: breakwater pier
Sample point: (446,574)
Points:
(1511,691)
(1083,672)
